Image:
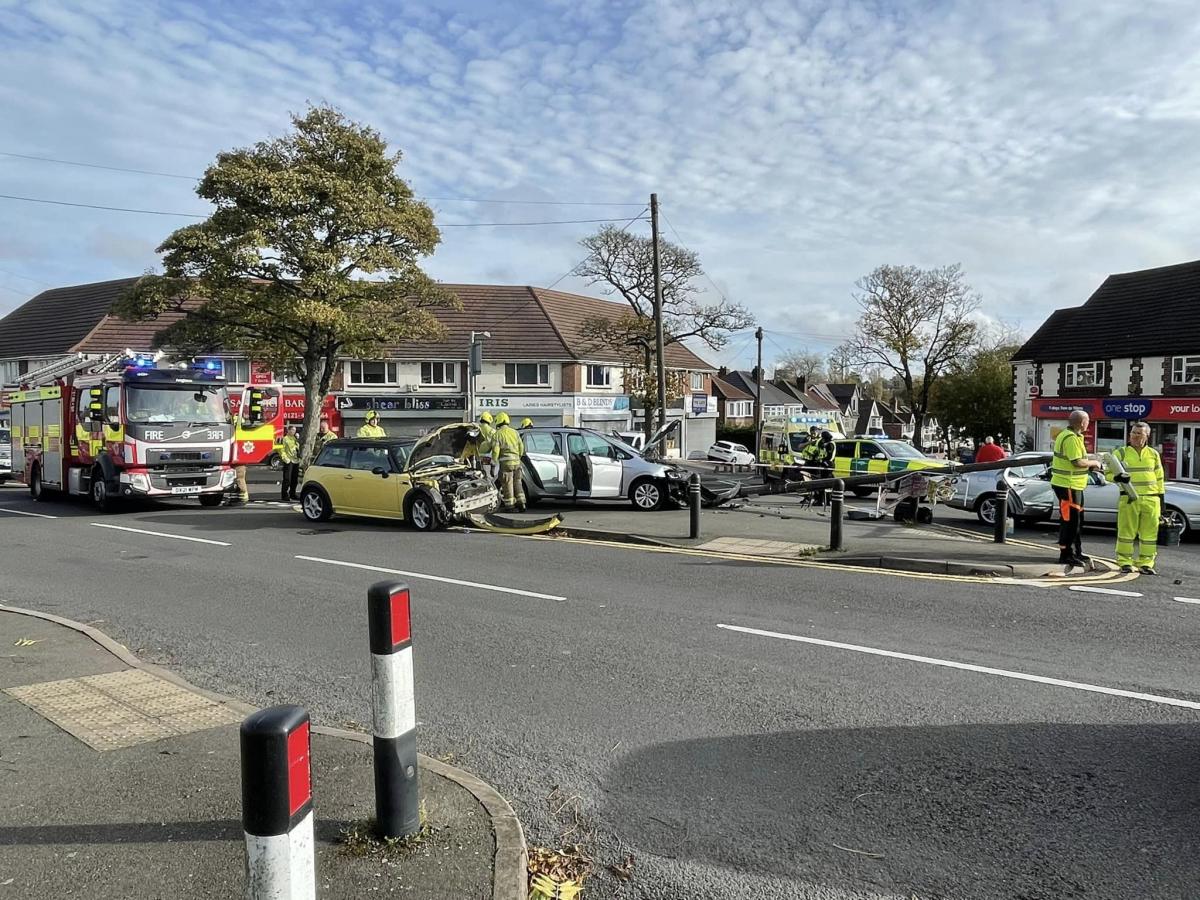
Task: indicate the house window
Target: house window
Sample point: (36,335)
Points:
(1084,374)
(438,373)
(697,381)
(236,371)
(773,410)
(1185,370)
(739,409)
(371,372)
(526,375)
(599,376)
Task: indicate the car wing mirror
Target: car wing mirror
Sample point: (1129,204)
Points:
(879,456)
(380,471)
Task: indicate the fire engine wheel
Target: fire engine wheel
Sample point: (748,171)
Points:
(421,514)
(315,505)
(101,498)
(36,489)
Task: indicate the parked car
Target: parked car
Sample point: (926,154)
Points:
(976,491)
(422,482)
(729,452)
(1181,505)
(579,463)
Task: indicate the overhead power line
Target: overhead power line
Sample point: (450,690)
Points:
(506,224)
(148,212)
(87,165)
(5,287)
(636,218)
(26,278)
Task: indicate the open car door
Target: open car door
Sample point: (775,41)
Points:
(259,423)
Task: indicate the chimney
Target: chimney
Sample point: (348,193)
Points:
(754,374)
(800,383)
(722,372)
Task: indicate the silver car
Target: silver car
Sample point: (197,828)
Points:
(578,463)
(1181,505)
(976,492)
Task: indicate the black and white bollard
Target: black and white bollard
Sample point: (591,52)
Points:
(837,498)
(1000,525)
(393,707)
(277,809)
(694,505)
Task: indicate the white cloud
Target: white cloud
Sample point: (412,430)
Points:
(796,146)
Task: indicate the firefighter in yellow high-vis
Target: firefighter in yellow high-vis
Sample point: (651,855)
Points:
(1137,517)
(371,428)
(509,448)
(487,439)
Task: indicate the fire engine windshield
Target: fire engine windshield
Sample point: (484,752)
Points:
(178,404)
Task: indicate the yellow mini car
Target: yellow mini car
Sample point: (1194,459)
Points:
(426,482)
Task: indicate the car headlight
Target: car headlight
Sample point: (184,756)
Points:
(675,473)
(228,477)
(139,482)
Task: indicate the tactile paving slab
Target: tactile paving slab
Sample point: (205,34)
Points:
(121,709)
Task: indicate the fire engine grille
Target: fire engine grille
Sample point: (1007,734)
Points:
(169,457)
(192,481)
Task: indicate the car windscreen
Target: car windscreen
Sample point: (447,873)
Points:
(193,404)
(624,446)
(901,450)
(798,442)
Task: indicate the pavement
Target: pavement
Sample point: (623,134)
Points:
(121,780)
(702,725)
(780,527)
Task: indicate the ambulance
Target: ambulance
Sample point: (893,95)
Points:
(784,439)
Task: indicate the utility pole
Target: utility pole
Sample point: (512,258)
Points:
(758,398)
(658,318)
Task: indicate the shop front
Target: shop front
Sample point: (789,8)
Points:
(1174,427)
(599,412)
(401,415)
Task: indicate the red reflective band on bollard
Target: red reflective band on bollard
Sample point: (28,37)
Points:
(401,623)
(299,769)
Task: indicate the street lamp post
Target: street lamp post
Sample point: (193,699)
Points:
(474,366)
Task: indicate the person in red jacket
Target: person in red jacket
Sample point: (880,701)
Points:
(990,451)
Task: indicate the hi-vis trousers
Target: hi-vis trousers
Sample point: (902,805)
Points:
(1137,520)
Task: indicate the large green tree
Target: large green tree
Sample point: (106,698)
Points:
(623,263)
(312,254)
(975,398)
(915,323)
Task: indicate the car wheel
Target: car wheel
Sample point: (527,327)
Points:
(36,489)
(924,515)
(646,495)
(985,508)
(862,491)
(1174,515)
(211,499)
(275,462)
(421,514)
(315,505)
(102,498)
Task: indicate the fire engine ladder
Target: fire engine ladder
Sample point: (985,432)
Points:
(78,362)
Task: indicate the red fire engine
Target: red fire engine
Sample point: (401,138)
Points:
(123,427)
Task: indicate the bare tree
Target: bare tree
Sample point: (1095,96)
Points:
(622,262)
(917,323)
(801,363)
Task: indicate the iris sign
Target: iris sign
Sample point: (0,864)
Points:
(1126,408)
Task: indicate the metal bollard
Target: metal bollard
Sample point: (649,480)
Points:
(393,709)
(277,809)
(694,505)
(1000,526)
(837,497)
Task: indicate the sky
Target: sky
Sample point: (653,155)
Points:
(794,145)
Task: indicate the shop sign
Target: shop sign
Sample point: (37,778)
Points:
(1126,408)
(260,374)
(699,404)
(1061,408)
(591,403)
(554,403)
(400,403)
(1175,409)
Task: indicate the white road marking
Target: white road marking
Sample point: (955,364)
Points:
(1095,590)
(968,667)
(21,512)
(178,537)
(1187,600)
(473,584)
